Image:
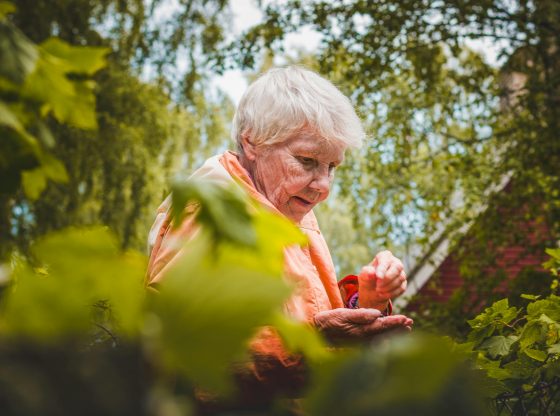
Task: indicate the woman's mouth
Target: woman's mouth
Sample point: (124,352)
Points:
(302,201)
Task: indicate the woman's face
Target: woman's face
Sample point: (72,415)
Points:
(296,175)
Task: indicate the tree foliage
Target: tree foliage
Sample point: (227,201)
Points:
(446,128)
(118,173)
(38,81)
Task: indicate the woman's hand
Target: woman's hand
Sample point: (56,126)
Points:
(381,280)
(362,324)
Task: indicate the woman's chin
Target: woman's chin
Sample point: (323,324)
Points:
(298,208)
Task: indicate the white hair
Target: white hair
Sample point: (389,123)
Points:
(285,101)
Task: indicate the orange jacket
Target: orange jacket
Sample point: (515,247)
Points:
(310,268)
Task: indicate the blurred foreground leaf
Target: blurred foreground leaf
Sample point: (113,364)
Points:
(215,297)
(409,374)
(223,211)
(76,269)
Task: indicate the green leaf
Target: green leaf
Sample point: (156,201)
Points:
(465,348)
(487,386)
(549,306)
(545,319)
(530,297)
(208,310)
(535,354)
(500,306)
(498,345)
(493,318)
(522,368)
(493,368)
(71,101)
(18,56)
(553,252)
(35,181)
(83,267)
(532,332)
(9,118)
(77,59)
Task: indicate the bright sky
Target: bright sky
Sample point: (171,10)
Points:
(245,15)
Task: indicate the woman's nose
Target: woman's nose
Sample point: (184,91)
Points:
(321,181)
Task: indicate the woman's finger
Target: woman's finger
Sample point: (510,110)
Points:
(387,323)
(382,262)
(386,286)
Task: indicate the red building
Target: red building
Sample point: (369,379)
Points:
(437,274)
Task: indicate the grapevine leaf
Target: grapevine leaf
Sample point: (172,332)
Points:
(549,306)
(497,345)
(532,332)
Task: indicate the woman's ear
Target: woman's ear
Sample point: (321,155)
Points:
(249,149)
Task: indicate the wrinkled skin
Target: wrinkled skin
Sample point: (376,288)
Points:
(296,174)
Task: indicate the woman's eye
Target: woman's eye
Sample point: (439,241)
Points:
(307,161)
(332,168)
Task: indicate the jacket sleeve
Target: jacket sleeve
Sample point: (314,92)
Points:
(166,243)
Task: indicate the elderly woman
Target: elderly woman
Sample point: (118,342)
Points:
(292,128)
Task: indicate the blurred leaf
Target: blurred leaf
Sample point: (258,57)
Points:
(554,253)
(83,267)
(410,374)
(530,297)
(223,210)
(8,118)
(53,168)
(554,349)
(34,182)
(215,297)
(18,56)
(71,102)
(77,59)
